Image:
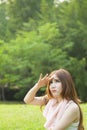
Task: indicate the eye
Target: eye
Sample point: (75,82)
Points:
(51,82)
(57,80)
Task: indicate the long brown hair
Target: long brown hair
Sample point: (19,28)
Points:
(69,91)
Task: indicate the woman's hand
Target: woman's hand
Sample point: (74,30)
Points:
(43,80)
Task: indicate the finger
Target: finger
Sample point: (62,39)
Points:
(45,76)
(40,76)
(50,78)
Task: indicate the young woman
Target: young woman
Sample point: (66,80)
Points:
(62,110)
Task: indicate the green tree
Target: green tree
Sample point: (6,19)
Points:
(20,11)
(3,21)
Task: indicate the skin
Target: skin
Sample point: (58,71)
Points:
(56,88)
(30,97)
(71,114)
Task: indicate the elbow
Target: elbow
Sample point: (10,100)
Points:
(25,100)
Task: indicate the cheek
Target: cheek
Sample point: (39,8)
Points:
(59,88)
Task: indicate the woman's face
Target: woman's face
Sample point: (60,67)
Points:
(55,86)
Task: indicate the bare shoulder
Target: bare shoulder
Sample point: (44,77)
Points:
(73,107)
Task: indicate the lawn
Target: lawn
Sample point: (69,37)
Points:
(19,116)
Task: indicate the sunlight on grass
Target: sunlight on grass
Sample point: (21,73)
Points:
(15,116)
(20,117)
(84,110)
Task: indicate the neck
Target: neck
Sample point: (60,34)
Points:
(59,99)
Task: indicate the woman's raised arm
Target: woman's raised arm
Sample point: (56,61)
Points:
(30,97)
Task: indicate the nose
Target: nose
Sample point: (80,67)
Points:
(52,85)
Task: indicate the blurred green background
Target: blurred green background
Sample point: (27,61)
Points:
(39,37)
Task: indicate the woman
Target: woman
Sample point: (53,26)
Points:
(62,110)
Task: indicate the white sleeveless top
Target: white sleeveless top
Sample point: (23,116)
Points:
(73,126)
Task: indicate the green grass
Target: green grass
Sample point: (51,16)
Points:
(84,110)
(15,116)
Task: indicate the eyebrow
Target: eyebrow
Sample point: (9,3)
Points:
(56,78)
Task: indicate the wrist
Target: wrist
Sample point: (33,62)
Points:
(37,86)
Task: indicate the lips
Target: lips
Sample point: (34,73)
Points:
(53,91)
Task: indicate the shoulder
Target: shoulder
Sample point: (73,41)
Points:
(73,109)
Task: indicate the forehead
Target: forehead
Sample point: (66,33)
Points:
(54,76)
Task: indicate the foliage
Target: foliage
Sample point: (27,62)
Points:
(39,37)
(3,21)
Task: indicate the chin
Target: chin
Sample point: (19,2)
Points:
(55,96)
